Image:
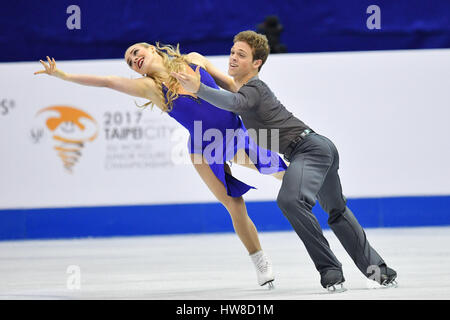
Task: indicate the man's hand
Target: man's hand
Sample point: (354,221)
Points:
(190,83)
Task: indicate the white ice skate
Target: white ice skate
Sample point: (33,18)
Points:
(263,267)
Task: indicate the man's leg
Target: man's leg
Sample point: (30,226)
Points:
(301,183)
(343,222)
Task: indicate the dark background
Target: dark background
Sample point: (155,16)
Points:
(30,30)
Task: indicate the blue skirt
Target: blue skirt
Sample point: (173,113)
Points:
(223,148)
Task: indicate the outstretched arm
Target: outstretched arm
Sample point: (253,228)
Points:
(142,87)
(222,80)
(240,102)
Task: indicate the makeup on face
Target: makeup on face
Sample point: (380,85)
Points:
(135,58)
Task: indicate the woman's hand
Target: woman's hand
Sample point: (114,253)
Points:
(50,69)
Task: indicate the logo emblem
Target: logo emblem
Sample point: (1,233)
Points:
(70,128)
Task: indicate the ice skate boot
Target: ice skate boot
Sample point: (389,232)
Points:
(332,281)
(387,277)
(263,268)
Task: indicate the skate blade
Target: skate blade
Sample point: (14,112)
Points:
(392,284)
(270,285)
(337,288)
(373,285)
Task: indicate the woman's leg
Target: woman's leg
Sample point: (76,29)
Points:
(242,158)
(242,223)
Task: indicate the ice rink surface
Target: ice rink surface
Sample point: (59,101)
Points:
(216,267)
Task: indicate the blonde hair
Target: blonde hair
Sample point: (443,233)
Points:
(258,42)
(173,61)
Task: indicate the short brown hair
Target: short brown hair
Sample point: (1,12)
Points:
(258,42)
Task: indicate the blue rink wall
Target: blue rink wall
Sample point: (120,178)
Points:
(57,223)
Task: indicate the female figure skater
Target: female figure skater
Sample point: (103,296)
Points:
(155,63)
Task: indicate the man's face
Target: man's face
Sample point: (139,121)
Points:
(241,60)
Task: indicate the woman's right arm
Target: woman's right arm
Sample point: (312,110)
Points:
(142,87)
(222,80)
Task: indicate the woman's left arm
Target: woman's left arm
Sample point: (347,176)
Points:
(222,80)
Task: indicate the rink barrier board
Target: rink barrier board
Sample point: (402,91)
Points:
(140,220)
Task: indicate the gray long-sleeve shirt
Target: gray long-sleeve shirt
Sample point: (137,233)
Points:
(269,123)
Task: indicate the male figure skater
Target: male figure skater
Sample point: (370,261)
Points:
(313,171)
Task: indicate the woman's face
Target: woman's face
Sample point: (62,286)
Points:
(140,59)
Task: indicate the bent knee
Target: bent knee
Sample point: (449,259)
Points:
(335,215)
(234,204)
(292,202)
(286,201)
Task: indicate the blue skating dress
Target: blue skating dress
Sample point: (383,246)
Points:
(218,134)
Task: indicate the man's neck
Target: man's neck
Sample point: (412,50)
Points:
(240,81)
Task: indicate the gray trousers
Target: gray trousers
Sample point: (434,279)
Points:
(313,175)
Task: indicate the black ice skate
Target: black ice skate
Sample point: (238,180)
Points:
(333,280)
(387,277)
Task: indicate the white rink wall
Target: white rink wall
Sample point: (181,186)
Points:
(111,169)
(386,111)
